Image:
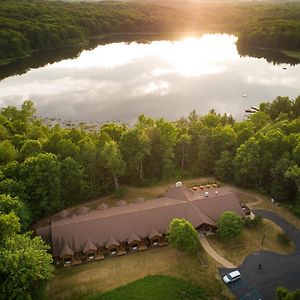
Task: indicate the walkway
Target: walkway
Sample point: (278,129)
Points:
(221,260)
(277,269)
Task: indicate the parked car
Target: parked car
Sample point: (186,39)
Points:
(232,276)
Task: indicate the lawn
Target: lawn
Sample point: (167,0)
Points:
(235,250)
(158,287)
(147,193)
(78,282)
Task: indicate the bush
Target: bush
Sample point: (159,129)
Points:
(283,238)
(253,223)
(295,210)
(183,236)
(229,225)
(121,192)
(284,294)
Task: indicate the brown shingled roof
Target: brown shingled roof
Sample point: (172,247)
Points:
(89,246)
(180,193)
(66,250)
(107,227)
(153,233)
(112,242)
(132,238)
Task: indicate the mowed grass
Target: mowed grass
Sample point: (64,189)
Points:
(236,249)
(147,193)
(158,287)
(78,282)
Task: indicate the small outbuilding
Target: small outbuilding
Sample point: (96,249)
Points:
(66,255)
(112,245)
(89,250)
(134,241)
(154,237)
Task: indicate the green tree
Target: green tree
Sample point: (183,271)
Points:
(280,105)
(8,152)
(9,204)
(135,145)
(229,225)
(182,235)
(30,148)
(284,294)
(296,107)
(25,267)
(113,161)
(66,148)
(73,183)
(247,163)
(113,130)
(163,140)
(224,169)
(42,179)
(293,173)
(9,224)
(184,140)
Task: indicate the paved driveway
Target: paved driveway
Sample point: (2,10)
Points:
(277,269)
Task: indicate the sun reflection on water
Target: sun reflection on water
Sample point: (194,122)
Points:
(120,81)
(188,57)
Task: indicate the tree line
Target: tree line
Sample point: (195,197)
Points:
(45,169)
(29,25)
(50,168)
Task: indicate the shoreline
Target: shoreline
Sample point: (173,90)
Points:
(108,37)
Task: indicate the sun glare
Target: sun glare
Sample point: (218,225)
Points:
(199,56)
(188,57)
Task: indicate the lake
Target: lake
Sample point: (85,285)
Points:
(119,81)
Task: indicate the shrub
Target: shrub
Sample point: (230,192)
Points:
(283,238)
(121,192)
(253,223)
(284,294)
(183,236)
(229,225)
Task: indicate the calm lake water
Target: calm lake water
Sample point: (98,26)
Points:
(119,81)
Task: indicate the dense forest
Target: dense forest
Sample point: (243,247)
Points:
(39,24)
(44,169)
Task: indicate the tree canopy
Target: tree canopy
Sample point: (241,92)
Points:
(33,24)
(229,225)
(50,168)
(183,236)
(25,265)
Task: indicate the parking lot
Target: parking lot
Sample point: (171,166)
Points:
(276,269)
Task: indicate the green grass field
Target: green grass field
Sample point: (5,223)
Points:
(158,287)
(102,276)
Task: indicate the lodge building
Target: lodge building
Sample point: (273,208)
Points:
(93,234)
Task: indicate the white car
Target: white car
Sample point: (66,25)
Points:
(232,276)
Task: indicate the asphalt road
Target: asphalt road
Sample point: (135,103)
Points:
(277,269)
